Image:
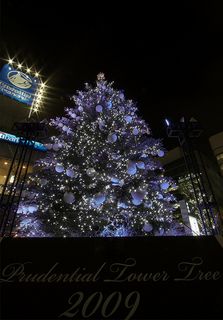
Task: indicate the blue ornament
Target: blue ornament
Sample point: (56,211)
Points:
(121,232)
(160,153)
(144,155)
(99,199)
(99,108)
(128,119)
(164,185)
(115,181)
(138,197)
(131,167)
(59,168)
(122,205)
(140,165)
(112,137)
(69,197)
(135,131)
(147,227)
(136,202)
(109,105)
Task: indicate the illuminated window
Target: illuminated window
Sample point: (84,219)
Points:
(194,226)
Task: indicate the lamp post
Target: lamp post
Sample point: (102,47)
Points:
(187,132)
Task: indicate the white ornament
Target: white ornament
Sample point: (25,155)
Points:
(55,147)
(164,185)
(23,209)
(26,222)
(121,183)
(65,128)
(101,124)
(80,109)
(60,125)
(148,205)
(32,208)
(147,227)
(160,153)
(59,168)
(99,108)
(68,197)
(121,96)
(19,210)
(60,145)
(131,167)
(128,119)
(112,137)
(135,131)
(140,164)
(49,146)
(43,182)
(70,173)
(159,232)
(91,172)
(73,115)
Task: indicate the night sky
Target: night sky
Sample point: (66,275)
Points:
(167,56)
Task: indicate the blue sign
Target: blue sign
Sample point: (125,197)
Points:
(17,85)
(13,139)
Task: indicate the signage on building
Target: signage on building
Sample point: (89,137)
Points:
(18,85)
(16,140)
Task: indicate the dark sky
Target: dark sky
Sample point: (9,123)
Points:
(168,56)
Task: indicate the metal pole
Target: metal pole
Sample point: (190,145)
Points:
(194,189)
(13,189)
(20,193)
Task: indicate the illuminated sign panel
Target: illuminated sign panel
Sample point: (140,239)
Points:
(14,139)
(18,85)
(194,226)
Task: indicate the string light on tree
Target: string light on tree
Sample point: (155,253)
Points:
(101,175)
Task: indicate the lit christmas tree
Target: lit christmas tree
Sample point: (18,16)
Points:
(101,175)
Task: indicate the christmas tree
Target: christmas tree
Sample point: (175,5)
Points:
(101,175)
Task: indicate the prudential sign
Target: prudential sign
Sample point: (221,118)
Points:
(17,85)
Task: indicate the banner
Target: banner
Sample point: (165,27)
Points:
(18,140)
(17,85)
(111,278)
